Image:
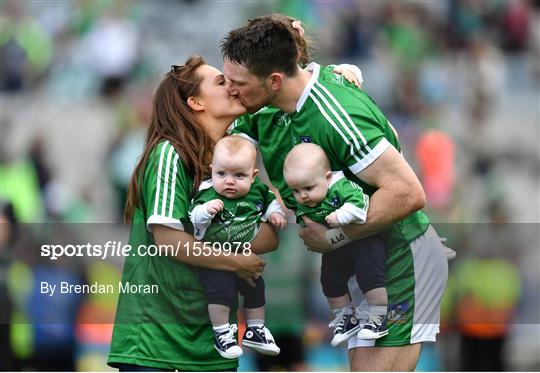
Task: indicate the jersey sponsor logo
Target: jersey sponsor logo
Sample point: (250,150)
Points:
(225,217)
(305,139)
(397,313)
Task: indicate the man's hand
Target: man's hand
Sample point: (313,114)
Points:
(277,220)
(249,267)
(214,206)
(314,236)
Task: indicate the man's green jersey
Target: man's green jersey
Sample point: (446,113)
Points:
(342,194)
(169,329)
(345,122)
(240,219)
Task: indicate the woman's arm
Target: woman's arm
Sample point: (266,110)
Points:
(243,265)
(267,240)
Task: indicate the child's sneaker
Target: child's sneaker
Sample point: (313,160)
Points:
(261,340)
(225,343)
(374,328)
(345,325)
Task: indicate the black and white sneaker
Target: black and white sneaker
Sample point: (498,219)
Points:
(261,340)
(225,343)
(374,328)
(345,325)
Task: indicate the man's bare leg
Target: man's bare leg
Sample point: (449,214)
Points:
(401,358)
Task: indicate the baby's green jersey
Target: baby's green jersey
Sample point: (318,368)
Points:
(342,193)
(345,122)
(240,219)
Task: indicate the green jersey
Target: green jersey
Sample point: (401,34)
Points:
(345,122)
(344,197)
(240,219)
(168,329)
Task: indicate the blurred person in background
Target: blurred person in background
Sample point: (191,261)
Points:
(8,235)
(42,324)
(484,292)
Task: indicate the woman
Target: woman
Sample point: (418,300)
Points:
(169,328)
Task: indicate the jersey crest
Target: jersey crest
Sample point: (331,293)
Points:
(282,120)
(335,202)
(337,79)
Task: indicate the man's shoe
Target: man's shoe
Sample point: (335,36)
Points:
(261,340)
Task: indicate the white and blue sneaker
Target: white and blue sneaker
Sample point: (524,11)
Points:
(374,328)
(261,340)
(225,343)
(345,325)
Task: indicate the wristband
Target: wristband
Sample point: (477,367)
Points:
(336,237)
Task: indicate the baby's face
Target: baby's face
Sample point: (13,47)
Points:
(232,175)
(309,188)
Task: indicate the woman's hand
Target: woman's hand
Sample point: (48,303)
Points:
(314,236)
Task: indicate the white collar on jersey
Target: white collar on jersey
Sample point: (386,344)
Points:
(314,67)
(207,184)
(336,176)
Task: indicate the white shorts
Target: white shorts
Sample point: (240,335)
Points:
(414,292)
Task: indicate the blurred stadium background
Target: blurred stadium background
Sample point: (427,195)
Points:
(458,79)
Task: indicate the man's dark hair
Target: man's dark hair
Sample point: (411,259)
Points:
(264,45)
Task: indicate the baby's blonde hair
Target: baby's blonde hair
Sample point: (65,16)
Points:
(306,155)
(234,144)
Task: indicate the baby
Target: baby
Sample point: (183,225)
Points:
(229,209)
(331,199)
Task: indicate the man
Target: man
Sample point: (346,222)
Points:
(260,62)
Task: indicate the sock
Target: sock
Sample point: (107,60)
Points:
(221,328)
(339,310)
(378,310)
(255,323)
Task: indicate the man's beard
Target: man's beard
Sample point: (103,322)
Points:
(258,105)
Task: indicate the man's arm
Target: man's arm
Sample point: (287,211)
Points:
(399,194)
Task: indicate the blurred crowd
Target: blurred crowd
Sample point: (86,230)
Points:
(460,81)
